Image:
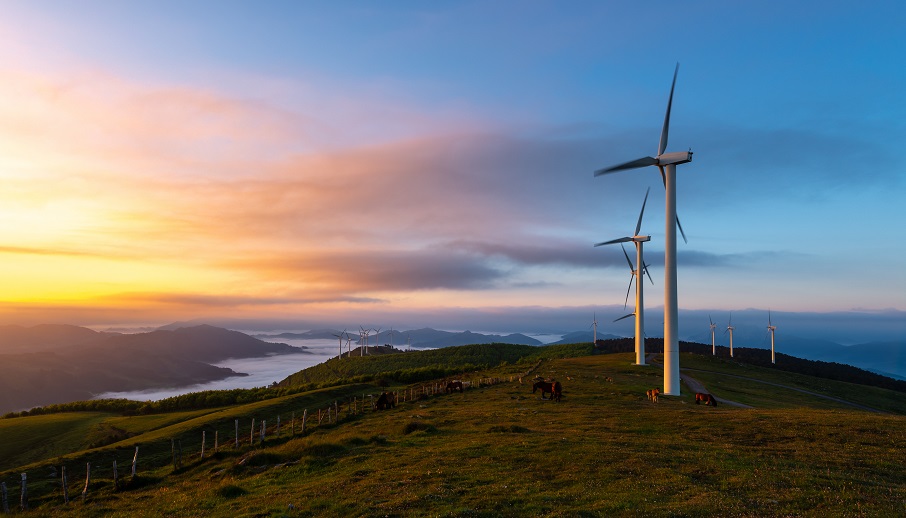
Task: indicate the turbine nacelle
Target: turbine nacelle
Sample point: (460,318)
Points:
(678,157)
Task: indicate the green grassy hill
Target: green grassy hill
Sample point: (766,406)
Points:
(495,450)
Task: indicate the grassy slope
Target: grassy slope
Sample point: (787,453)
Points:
(500,450)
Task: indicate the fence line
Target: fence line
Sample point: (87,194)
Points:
(330,415)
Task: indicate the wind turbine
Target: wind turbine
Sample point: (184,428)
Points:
(639,312)
(713,327)
(730,329)
(667,163)
(771,328)
(377,337)
(594,324)
(365,337)
(340,336)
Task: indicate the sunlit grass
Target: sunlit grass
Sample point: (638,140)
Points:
(502,451)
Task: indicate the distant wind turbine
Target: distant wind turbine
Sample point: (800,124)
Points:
(340,336)
(639,312)
(730,329)
(667,163)
(594,324)
(771,328)
(713,326)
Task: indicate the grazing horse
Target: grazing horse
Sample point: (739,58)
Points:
(454,385)
(545,386)
(653,394)
(385,401)
(556,391)
(707,398)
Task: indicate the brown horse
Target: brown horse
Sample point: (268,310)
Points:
(653,394)
(554,388)
(454,385)
(385,401)
(545,386)
(707,398)
(556,391)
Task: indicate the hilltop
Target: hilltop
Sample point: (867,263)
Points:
(496,449)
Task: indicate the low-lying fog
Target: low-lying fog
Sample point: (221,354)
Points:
(261,371)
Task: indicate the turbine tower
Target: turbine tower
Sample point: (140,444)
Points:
(639,312)
(340,336)
(594,324)
(667,163)
(771,328)
(713,326)
(730,329)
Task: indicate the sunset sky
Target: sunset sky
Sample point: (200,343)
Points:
(341,162)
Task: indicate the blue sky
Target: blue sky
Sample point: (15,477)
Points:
(401,161)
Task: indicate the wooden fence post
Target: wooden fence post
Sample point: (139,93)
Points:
(216,440)
(304,418)
(263,428)
(237,432)
(23,498)
(336,411)
(135,461)
(87,480)
(65,488)
(292,427)
(173,451)
(202,443)
(4,497)
(116,479)
(178,453)
(252,433)
(278,426)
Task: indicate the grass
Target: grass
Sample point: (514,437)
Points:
(501,451)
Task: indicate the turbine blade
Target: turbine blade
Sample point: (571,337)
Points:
(625,316)
(638,226)
(681,231)
(649,275)
(709,320)
(628,260)
(663,145)
(626,302)
(642,162)
(612,241)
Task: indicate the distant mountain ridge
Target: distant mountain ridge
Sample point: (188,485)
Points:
(56,364)
(424,338)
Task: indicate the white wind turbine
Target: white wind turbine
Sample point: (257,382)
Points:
(364,335)
(771,328)
(377,337)
(340,336)
(713,327)
(639,312)
(667,163)
(730,329)
(594,324)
